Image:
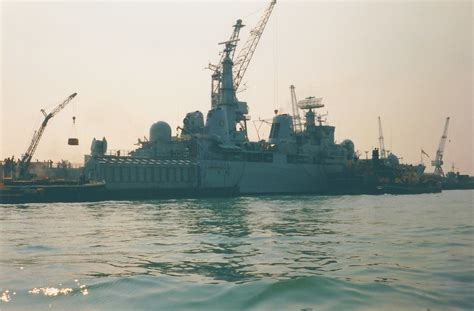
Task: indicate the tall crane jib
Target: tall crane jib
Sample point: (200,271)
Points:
(28,155)
(383,153)
(438,161)
(296,113)
(245,55)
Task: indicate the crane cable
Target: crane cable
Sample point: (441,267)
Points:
(73,140)
(275,60)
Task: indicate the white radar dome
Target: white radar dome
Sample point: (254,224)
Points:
(160,131)
(393,159)
(349,146)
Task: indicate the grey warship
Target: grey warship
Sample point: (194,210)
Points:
(215,155)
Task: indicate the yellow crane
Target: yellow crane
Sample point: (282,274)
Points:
(28,155)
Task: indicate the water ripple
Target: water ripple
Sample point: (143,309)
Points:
(276,252)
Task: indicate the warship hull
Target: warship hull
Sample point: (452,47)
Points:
(267,178)
(212,177)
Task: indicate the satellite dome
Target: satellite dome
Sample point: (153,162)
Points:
(349,146)
(393,159)
(160,131)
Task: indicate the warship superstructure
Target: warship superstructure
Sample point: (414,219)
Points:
(215,155)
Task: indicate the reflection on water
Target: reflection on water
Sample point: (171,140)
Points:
(360,240)
(228,240)
(219,239)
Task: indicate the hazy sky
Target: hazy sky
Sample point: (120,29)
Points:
(134,63)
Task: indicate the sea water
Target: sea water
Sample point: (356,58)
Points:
(295,252)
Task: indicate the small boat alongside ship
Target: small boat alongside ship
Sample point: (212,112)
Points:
(19,193)
(384,176)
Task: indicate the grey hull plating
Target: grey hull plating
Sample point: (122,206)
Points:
(260,178)
(221,176)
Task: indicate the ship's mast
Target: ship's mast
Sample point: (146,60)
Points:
(227,91)
(243,59)
(217,69)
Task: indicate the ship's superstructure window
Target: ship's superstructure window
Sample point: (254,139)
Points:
(299,159)
(259,157)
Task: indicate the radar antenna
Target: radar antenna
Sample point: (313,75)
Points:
(320,119)
(311,103)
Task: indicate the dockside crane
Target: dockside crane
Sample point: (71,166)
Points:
(296,112)
(245,55)
(438,161)
(423,153)
(383,153)
(26,158)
